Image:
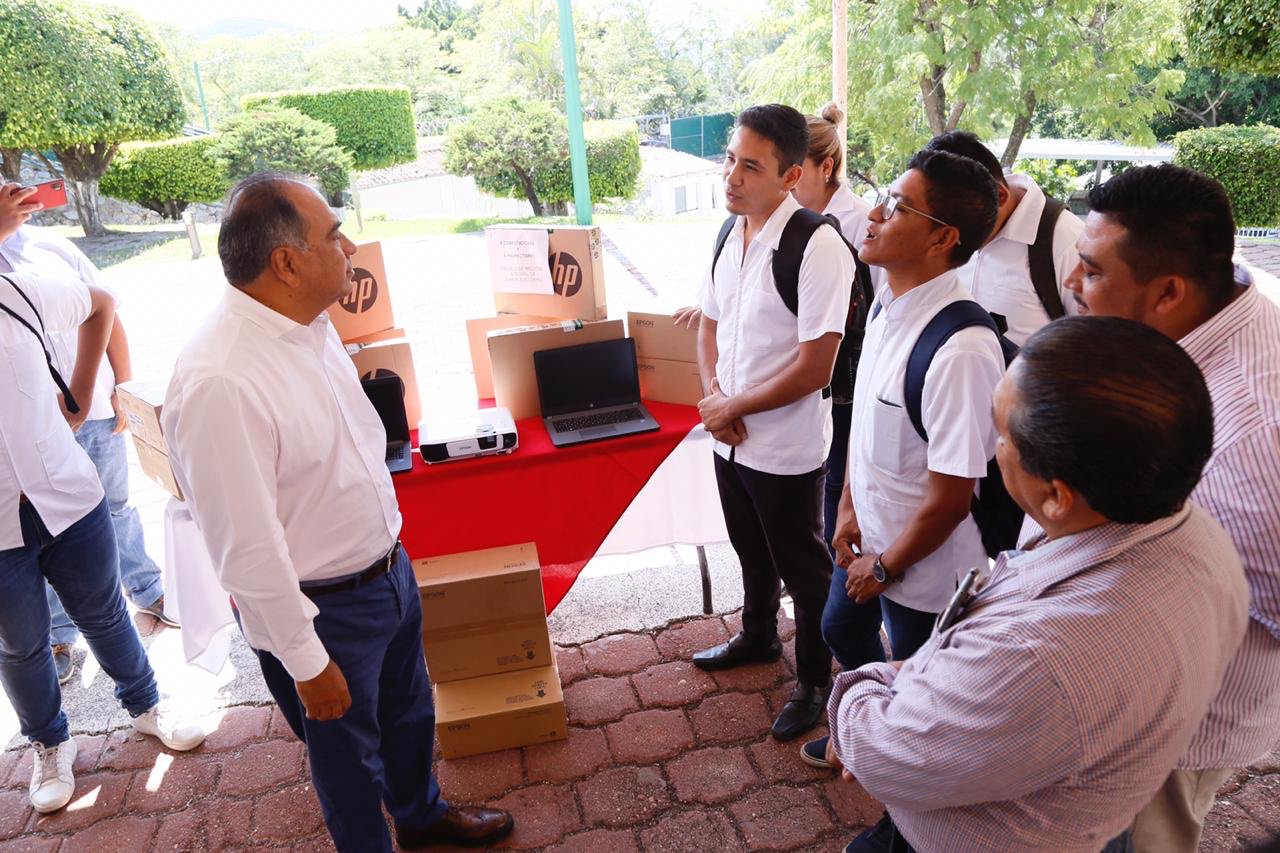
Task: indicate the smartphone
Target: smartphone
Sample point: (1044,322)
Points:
(51,193)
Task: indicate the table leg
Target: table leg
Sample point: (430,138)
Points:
(706,580)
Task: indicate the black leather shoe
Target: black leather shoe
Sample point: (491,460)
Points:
(736,652)
(802,712)
(468,826)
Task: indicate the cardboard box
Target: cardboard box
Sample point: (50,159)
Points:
(576,258)
(392,358)
(658,337)
(366,309)
(142,401)
(670,381)
(478,340)
(155,464)
(511,355)
(500,712)
(374,337)
(486,648)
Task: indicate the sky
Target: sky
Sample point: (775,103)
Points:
(339,15)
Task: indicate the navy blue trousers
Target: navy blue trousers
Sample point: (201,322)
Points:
(379,752)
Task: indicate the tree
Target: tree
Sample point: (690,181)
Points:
(1234,35)
(284,139)
(505,145)
(102,78)
(1210,98)
(934,65)
(166,176)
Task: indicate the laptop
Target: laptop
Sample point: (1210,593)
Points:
(591,391)
(386,393)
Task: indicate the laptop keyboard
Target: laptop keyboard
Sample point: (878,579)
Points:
(395,452)
(595,420)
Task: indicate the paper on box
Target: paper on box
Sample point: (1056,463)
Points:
(511,355)
(142,401)
(576,262)
(517,260)
(155,464)
(366,309)
(670,381)
(478,340)
(392,358)
(658,336)
(500,712)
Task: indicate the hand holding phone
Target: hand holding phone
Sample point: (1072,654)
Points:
(16,208)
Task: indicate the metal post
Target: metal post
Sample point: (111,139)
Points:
(189,220)
(573,107)
(840,70)
(200,91)
(703,570)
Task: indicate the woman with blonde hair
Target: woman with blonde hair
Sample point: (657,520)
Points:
(822,186)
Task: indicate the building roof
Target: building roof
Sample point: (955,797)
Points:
(660,164)
(1085,149)
(430,164)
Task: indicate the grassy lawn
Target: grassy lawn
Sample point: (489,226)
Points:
(167,243)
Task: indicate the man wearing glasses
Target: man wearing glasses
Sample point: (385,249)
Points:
(904,532)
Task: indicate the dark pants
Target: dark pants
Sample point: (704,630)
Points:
(837,462)
(884,838)
(80,564)
(775,525)
(852,631)
(379,752)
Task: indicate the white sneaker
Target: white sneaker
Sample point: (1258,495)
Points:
(179,735)
(52,782)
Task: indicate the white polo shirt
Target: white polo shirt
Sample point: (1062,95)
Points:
(758,337)
(999,274)
(889,463)
(852,213)
(42,252)
(39,456)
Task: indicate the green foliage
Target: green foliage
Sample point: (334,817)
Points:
(1210,97)
(1246,160)
(166,176)
(1057,179)
(1234,35)
(613,165)
(283,138)
(374,124)
(80,74)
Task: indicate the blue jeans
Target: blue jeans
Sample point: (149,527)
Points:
(852,631)
(379,752)
(837,461)
(80,563)
(138,572)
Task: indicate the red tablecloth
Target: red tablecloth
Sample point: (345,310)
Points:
(565,500)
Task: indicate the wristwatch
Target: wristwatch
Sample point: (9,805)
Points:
(878,572)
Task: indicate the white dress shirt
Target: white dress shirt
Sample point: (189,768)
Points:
(282,459)
(758,337)
(889,463)
(852,213)
(999,275)
(42,252)
(39,456)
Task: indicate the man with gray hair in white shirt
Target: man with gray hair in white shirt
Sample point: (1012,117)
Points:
(282,459)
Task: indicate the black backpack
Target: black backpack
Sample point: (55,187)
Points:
(1044,277)
(786,277)
(999,519)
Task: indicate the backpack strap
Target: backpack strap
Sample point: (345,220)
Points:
(951,319)
(68,400)
(790,253)
(1044,277)
(725,228)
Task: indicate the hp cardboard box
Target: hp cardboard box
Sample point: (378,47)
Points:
(142,400)
(576,258)
(670,381)
(483,612)
(392,358)
(366,309)
(511,355)
(657,336)
(478,341)
(500,712)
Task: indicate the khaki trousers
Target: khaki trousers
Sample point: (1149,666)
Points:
(1174,819)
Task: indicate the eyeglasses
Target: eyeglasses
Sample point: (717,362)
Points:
(890,204)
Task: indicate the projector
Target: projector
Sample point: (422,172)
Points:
(484,432)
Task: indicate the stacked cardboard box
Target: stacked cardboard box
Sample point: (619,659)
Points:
(667,358)
(142,401)
(366,324)
(484,634)
(575,261)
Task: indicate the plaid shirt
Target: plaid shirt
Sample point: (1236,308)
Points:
(1238,350)
(1052,711)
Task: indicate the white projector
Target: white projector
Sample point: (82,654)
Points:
(484,432)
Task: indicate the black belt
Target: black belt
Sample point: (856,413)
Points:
(380,567)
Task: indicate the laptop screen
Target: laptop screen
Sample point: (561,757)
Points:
(386,393)
(587,376)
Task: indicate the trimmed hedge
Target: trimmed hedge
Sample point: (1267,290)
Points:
(166,176)
(281,138)
(1246,160)
(1235,35)
(374,124)
(613,165)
